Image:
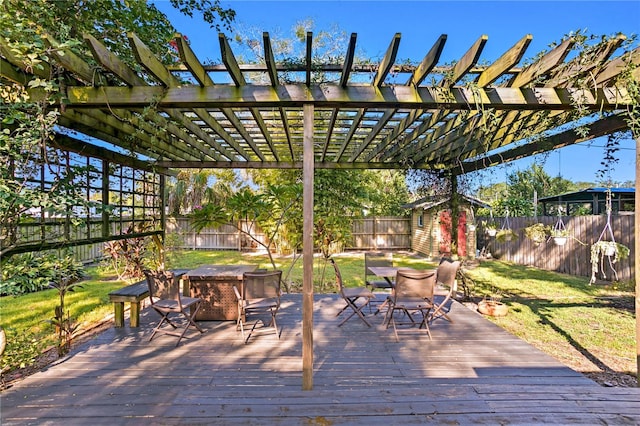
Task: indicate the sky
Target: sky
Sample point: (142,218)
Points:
(421,23)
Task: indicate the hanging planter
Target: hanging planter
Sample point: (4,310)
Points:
(506,235)
(559,233)
(560,237)
(611,250)
(537,233)
(471,224)
(490,227)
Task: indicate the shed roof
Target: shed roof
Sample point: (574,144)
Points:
(427,203)
(588,194)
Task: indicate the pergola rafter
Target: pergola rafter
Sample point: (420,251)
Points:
(439,118)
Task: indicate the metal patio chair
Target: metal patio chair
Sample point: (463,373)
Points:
(446,277)
(165,297)
(413,295)
(352,297)
(258,298)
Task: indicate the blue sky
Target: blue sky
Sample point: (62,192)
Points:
(422,22)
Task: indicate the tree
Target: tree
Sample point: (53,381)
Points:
(28,127)
(517,195)
(108,20)
(339,196)
(328,46)
(273,210)
(386,191)
(190,189)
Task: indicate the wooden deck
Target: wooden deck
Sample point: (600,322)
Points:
(471,373)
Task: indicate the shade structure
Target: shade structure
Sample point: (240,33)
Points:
(459,118)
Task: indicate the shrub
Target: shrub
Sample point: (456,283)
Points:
(31,272)
(22,349)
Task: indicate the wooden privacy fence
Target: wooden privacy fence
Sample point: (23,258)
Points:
(225,237)
(574,257)
(370,233)
(387,232)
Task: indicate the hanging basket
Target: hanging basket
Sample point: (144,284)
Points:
(609,250)
(492,232)
(560,241)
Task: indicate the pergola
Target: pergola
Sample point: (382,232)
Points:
(458,118)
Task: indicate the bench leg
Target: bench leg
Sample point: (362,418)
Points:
(134,314)
(118,310)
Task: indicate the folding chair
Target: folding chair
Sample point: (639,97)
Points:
(445,276)
(375,258)
(260,296)
(165,297)
(413,294)
(351,297)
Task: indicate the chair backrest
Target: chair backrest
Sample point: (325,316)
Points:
(339,282)
(415,283)
(446,273)
(261,285)
(162,285)
(377,258)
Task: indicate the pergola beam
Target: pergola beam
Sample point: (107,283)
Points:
(334,96)
(599,128)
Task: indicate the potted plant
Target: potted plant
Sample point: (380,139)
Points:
(611,249)
(614,251)
(493,306)
(505,235)
(491,229)
(537,232)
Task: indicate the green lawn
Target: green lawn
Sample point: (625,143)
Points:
(587,327)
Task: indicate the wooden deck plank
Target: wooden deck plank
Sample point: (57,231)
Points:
(471,372)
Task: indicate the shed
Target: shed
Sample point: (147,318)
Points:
(431,226)
(590,201)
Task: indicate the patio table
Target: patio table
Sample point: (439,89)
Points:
(214,285)
(386,272)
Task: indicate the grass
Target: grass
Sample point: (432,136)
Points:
(589,328)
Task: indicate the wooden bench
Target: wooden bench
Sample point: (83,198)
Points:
(134,294)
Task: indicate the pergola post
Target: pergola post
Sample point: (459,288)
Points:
(307,250)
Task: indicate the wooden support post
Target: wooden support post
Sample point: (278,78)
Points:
(106,230)
(455,211)
(163,221)
(637,259)
(307,250)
